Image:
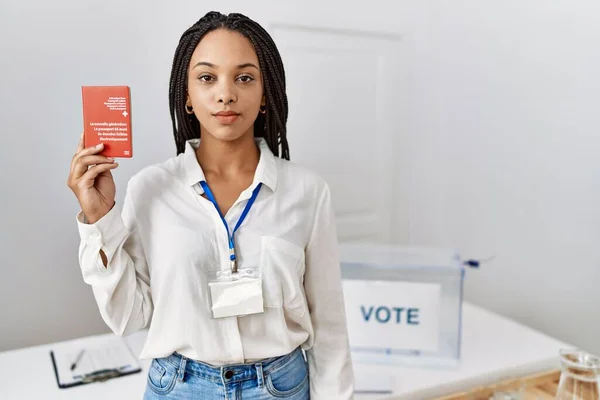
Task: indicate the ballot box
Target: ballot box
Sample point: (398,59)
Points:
(403,303)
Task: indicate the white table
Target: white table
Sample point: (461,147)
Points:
(493,348)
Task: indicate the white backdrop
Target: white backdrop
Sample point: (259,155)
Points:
(495,142)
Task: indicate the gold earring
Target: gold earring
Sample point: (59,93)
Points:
(263,110)
(189,110)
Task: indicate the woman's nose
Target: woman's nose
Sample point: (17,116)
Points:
(226,94)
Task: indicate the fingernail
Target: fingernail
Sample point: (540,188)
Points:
(99,145)
(110,158)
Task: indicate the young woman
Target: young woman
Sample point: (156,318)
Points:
(227,252)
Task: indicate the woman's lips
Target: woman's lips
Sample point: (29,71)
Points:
(227,119)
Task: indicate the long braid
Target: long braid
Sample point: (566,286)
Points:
(272,125)
(275,92)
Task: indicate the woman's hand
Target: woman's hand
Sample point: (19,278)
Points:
(92,182)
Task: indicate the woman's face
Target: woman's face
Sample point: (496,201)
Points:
(224,77)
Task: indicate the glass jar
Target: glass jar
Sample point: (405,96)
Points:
(580,376)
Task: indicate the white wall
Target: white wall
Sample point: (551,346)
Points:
(502,100)
(50,49)
(507,156)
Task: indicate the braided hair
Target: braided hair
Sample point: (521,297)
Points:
(272,124)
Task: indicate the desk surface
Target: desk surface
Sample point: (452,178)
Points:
(493,348)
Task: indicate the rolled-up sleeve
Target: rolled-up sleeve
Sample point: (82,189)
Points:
(122,288)
(330,366)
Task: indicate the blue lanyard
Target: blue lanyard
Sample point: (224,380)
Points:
(242,217)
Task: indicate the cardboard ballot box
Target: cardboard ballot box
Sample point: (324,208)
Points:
(403,303)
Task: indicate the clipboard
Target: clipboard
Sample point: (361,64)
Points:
(104,357)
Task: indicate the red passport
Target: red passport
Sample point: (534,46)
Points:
(107,119)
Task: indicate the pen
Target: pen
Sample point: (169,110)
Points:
(77,359)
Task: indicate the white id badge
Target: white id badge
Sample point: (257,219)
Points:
(236,294)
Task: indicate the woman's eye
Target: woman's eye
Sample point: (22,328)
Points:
(246,78)
(205,78)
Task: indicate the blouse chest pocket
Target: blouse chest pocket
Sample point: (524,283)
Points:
(283,266)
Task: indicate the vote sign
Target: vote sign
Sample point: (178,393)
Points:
(392,317)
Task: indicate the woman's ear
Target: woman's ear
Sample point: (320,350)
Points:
(263,102)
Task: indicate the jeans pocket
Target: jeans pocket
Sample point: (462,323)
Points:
(288,380)
(161,378)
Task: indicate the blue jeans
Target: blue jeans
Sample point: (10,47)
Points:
(177,377)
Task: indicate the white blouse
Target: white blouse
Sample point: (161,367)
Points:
(168,241)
